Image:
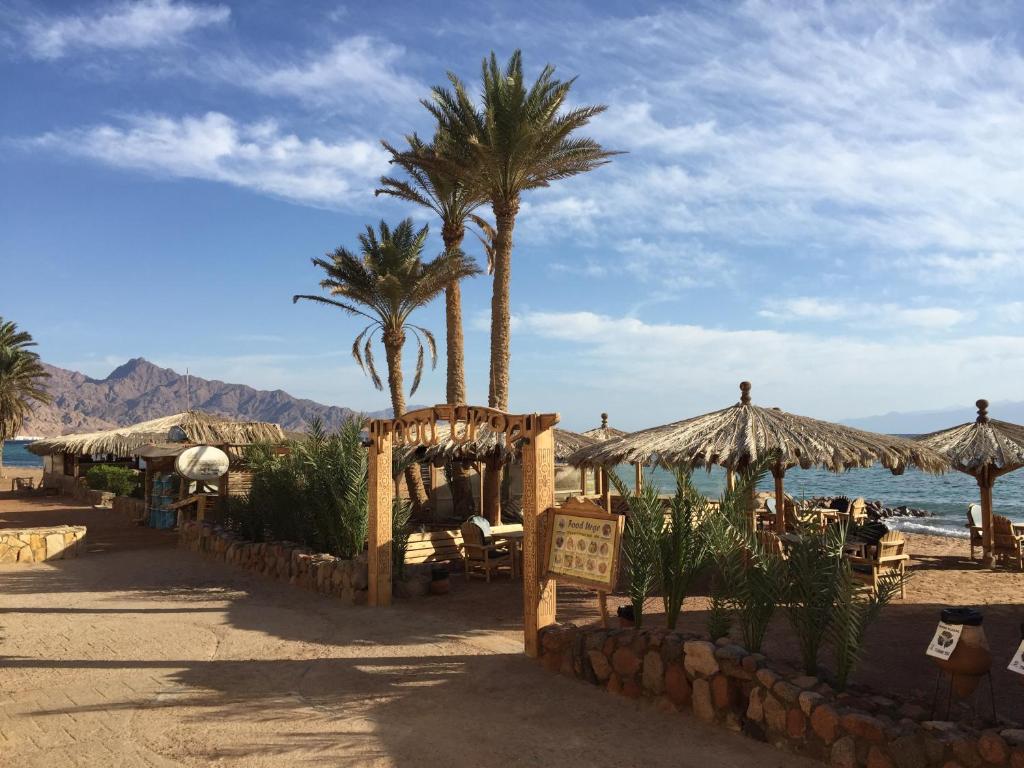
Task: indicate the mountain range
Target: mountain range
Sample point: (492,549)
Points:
(140,390)
(923,422)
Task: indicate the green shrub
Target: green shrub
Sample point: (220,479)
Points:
(681,546)
(121,481)
(640,544)
(314,493)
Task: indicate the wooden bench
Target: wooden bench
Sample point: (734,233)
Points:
(443,546)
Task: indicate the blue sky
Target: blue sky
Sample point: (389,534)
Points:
(823,198)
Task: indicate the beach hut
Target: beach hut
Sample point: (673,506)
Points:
(739,435)
(985,449)
(492,447)
(67,458)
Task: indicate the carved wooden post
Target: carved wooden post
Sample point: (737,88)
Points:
(381,490)
(539,596)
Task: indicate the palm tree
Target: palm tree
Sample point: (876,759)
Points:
(22,381)
(434,185)
(385,284)
(519,140)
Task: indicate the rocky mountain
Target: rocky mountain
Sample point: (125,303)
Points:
(922,422)
(139,390)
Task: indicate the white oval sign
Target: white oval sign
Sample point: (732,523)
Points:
(203,462)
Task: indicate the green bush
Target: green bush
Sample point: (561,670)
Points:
(121,481)
(681,545)
(314,493)
(641,542)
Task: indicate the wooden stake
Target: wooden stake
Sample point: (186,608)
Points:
(539,594)
(381,489)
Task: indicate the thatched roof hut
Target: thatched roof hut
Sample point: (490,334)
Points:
(739,435)
(493,445)
(604,432)
(985,449)
(188,427)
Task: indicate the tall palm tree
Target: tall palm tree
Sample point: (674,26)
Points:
(385,284)
(519,140)
(22,381)
(434,185)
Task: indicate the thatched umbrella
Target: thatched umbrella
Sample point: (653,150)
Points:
(604,432)
(985,449)
(601,434)
(739,435)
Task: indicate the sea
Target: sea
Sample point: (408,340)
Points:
(945,496)
(16,454)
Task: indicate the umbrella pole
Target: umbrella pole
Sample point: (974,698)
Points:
(780,500)
(730,480)
(606,491)
(639,483)
(985,483)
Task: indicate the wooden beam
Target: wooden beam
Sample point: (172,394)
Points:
(985,482)
(780,500)
(381,490)
(539,594)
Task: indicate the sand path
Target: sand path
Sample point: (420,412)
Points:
(144,655)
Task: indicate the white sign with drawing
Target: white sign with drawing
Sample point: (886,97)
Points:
(945,640)
(1017,662)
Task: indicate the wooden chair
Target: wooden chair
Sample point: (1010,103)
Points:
(771,543)
(1007,544)
(479,553)
(889,557)
(974,526)
(858,511)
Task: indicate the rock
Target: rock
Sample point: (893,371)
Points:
(878,759)
(631,689)
(755,705)
(753,662)
(723,695)
(939,726)
(796,724)
(700,658)
(825,723)
(993,748)
(908,752)
(654,673)
(599,663)
(863,726)
(808,700)
(805,681)
(774,714)
(730,653)
(767,677)
(966,751)
(844,753)
(1017,758)
(786,691)
(614,684)
(914,711)
(1014,737)
(677,686)
(671,648)
(625,663)
(702,705)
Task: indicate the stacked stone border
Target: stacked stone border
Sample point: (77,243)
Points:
(282,560)
(37,545)
(724,684)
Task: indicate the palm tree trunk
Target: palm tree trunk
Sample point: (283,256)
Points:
(461,490)
(505,222)
(393,343)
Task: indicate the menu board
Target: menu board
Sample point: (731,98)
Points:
(583,543)
(944,642)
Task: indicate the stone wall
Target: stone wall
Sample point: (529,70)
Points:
(724,684)
(37,545)
(131,509)
(346,579)
(78,489)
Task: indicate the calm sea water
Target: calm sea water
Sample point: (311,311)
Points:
(17,455)
(946,496)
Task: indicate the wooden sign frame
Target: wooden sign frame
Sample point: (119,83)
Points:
(579,506)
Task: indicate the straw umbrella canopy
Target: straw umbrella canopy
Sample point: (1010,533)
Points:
(985,449)
(493,445)
(601,434)
(604,432)
(737,436)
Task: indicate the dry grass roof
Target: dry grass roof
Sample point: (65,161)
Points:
(493,445)
(190,427)
(979,443)
(735,437)
(604,432)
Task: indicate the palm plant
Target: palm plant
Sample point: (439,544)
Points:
(22,381)
(749,577)
(681,545)
(519,139)
(434,185)
(385,284)
(641,542)
(813,577)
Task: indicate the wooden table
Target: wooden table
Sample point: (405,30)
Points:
(515,545)
(22,483)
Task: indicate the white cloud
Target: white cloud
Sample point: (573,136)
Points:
(1010,312)
(864,314)
(354,73)
(258,156)
(679,370)
(121,26)
(805,308)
